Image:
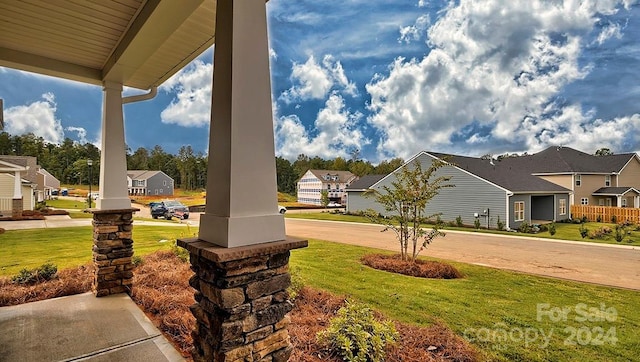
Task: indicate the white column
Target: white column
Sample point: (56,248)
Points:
(241,177)
(113,161)
(17,185)
(619,201)
(636,202)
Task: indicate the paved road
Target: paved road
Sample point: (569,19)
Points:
(612,265)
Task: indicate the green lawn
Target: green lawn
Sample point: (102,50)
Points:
(67,204)
(564,231)
(485,305)
(70,247)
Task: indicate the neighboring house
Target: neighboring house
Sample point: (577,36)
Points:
(612,180)
(147,183)
(484,188)
(40,178)
(11,188)
(313,182)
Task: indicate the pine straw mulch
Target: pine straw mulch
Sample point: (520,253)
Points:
(314,308)
(68,281)
(420,268)
(161,289)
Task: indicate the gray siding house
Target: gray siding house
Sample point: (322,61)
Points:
(484,189)
(147,183)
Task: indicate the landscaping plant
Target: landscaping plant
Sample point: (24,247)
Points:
(405,202)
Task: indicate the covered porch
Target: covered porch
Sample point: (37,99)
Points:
(140,44)
(618,196)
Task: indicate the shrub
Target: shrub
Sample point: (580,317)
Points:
(552,229)
(137,260)
(583,231)
(30,276)
(476,223)
(620,233)
(180,252)
(356,335)
(599,218)
(500,224)
(297,283)
(459,221)
(614,219)
(525,227)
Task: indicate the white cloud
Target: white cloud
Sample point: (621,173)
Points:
(416,31)
(334,135)
(608,32)
(191,106)
(493,64)
(272,54)
(314,81)
(81,134)
(38,118)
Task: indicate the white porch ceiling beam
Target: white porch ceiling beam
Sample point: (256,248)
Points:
(38,64)
(154,25)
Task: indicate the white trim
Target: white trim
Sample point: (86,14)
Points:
(635,155)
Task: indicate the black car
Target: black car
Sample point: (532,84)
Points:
(169,209)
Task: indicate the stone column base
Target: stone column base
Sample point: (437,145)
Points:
(241,300)
(112,251)
(16,208)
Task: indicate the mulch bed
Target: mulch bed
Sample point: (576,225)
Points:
(161,288)
(420,268)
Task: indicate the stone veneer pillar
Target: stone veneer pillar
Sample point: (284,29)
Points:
(241,300)
(112,251)
(16,208)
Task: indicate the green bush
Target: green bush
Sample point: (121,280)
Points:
(614,219)
(552,229)
(181,253)
(297,283)
(525,228)
(30,276)
(476,223)
(459,221)
(500,224)
(356,335)
(620,233)
(583,231)
(137,260)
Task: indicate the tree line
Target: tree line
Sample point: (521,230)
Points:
(68,162)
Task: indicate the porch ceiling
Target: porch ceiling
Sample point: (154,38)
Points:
(139,43)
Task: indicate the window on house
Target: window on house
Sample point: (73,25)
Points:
(584,201)
(518,211)
(609,202)
(578,180)
(164,183)
(563,207)
(607,180)
(624,202)
(600,202)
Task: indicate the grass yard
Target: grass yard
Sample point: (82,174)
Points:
(70,247)
(496,310)
(564,231)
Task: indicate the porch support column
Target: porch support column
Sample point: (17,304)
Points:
(242,199)
(619,201)
(113,160)
(113,217)
(17,203)
(241,257)
(636,202)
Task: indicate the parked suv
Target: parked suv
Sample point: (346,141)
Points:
(169,209)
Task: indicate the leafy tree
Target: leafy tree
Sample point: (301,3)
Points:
(406,201)
(139,160)
(387,167)
(361,168)
(324,198)
(286,176)
(604,152)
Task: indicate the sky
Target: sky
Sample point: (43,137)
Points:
(391,78)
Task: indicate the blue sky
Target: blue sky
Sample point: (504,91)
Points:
(392,78)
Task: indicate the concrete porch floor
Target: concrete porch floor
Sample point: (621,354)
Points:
(81,328)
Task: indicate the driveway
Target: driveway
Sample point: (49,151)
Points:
(612,265)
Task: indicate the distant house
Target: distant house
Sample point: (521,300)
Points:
(42,181)
(485,189)
(147,183)
(312,183)
(16,193)
(612,180)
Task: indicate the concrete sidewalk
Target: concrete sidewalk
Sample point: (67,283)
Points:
(58,221)
(81,328)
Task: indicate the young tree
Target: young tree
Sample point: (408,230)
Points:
(324,198)
(405,202)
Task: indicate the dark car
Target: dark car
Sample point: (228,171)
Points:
(169,209)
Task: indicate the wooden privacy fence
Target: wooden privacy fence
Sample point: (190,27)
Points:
(605,213)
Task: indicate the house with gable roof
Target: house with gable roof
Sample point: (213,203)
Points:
(485,189)
(147,183)
(313,182)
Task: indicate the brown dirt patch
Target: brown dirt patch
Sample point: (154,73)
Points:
(420,268)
